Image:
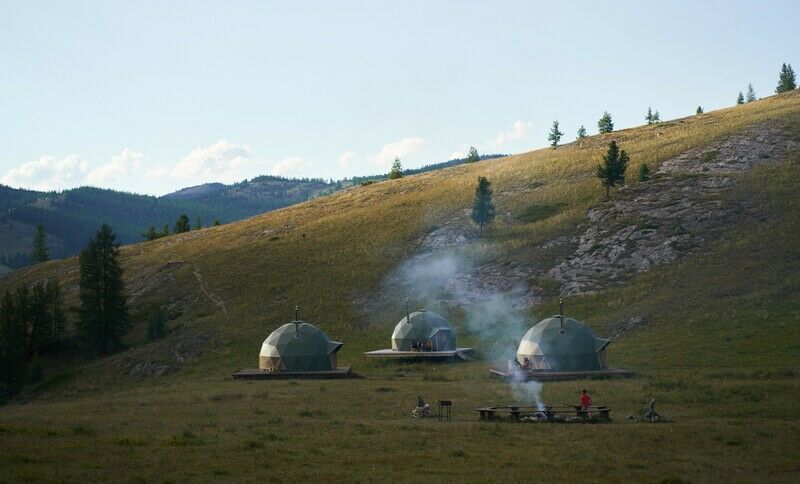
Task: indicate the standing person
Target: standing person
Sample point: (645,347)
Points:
(586,402)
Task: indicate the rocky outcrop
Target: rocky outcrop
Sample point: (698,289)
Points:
(645,225)
(671,215)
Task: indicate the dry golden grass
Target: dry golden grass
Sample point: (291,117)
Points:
(719,350)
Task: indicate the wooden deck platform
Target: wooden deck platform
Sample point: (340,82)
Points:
(460,353)
(256,374)
(550,375)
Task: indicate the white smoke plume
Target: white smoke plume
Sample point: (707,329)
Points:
(450,280)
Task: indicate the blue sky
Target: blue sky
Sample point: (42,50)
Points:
(153,96)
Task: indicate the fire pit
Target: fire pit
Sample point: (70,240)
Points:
(546,414)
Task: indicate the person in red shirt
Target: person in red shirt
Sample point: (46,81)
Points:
(586,402)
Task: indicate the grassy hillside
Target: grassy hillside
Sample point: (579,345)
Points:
(72,216)
(717,347)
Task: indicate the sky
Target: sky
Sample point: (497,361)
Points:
(150,97)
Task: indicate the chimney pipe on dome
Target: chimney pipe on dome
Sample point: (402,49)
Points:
(297,319)
(561,312)
(408,312)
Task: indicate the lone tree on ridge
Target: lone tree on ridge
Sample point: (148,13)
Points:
(483,210)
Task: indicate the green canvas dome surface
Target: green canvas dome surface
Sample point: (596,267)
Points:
(298,347)
(422,326)
(576,348)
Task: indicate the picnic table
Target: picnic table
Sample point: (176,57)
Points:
(516,412)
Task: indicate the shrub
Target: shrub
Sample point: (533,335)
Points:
(156,323)
(644,172)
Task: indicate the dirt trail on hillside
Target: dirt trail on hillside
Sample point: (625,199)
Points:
(213,297)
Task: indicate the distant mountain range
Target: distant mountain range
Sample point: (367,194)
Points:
(72,216)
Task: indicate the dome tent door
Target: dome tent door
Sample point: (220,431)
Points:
(440,340)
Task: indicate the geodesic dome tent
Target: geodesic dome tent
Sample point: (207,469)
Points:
(298,346)
(562,344)
(421,326)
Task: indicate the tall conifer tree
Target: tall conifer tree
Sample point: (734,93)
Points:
(605,124)
(786,80)
(751,93)
(13,357)
(483,210)
(103,303)
(473,156)
(182,224)
(555,135)
(397,170)
(611,171)
(40,252)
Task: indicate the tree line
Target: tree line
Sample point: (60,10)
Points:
(181,225)
(786,83)
(32,318)
(31,324)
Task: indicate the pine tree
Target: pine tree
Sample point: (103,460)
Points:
(656,117)
(397,170)
(740,98)
(197,224)
(182,224)
(40,252)
(473,156)
(644,172)
(164,231)
(581,132)
(216,223)
(612,171)
(103,312)
(605,124)
(151,234)
(555,135)
(699,110)
(38,320)
(751,93)
(13,357)
(786,80)
(57,319)
(483,210)
(649,116)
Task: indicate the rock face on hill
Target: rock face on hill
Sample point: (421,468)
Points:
(644,225)
(671,215)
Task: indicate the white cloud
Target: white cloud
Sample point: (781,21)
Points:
(398,149)
(457,154)
(48,173)
(517,131)
(119,172)
(222,161)
(289,167)
(345,159)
